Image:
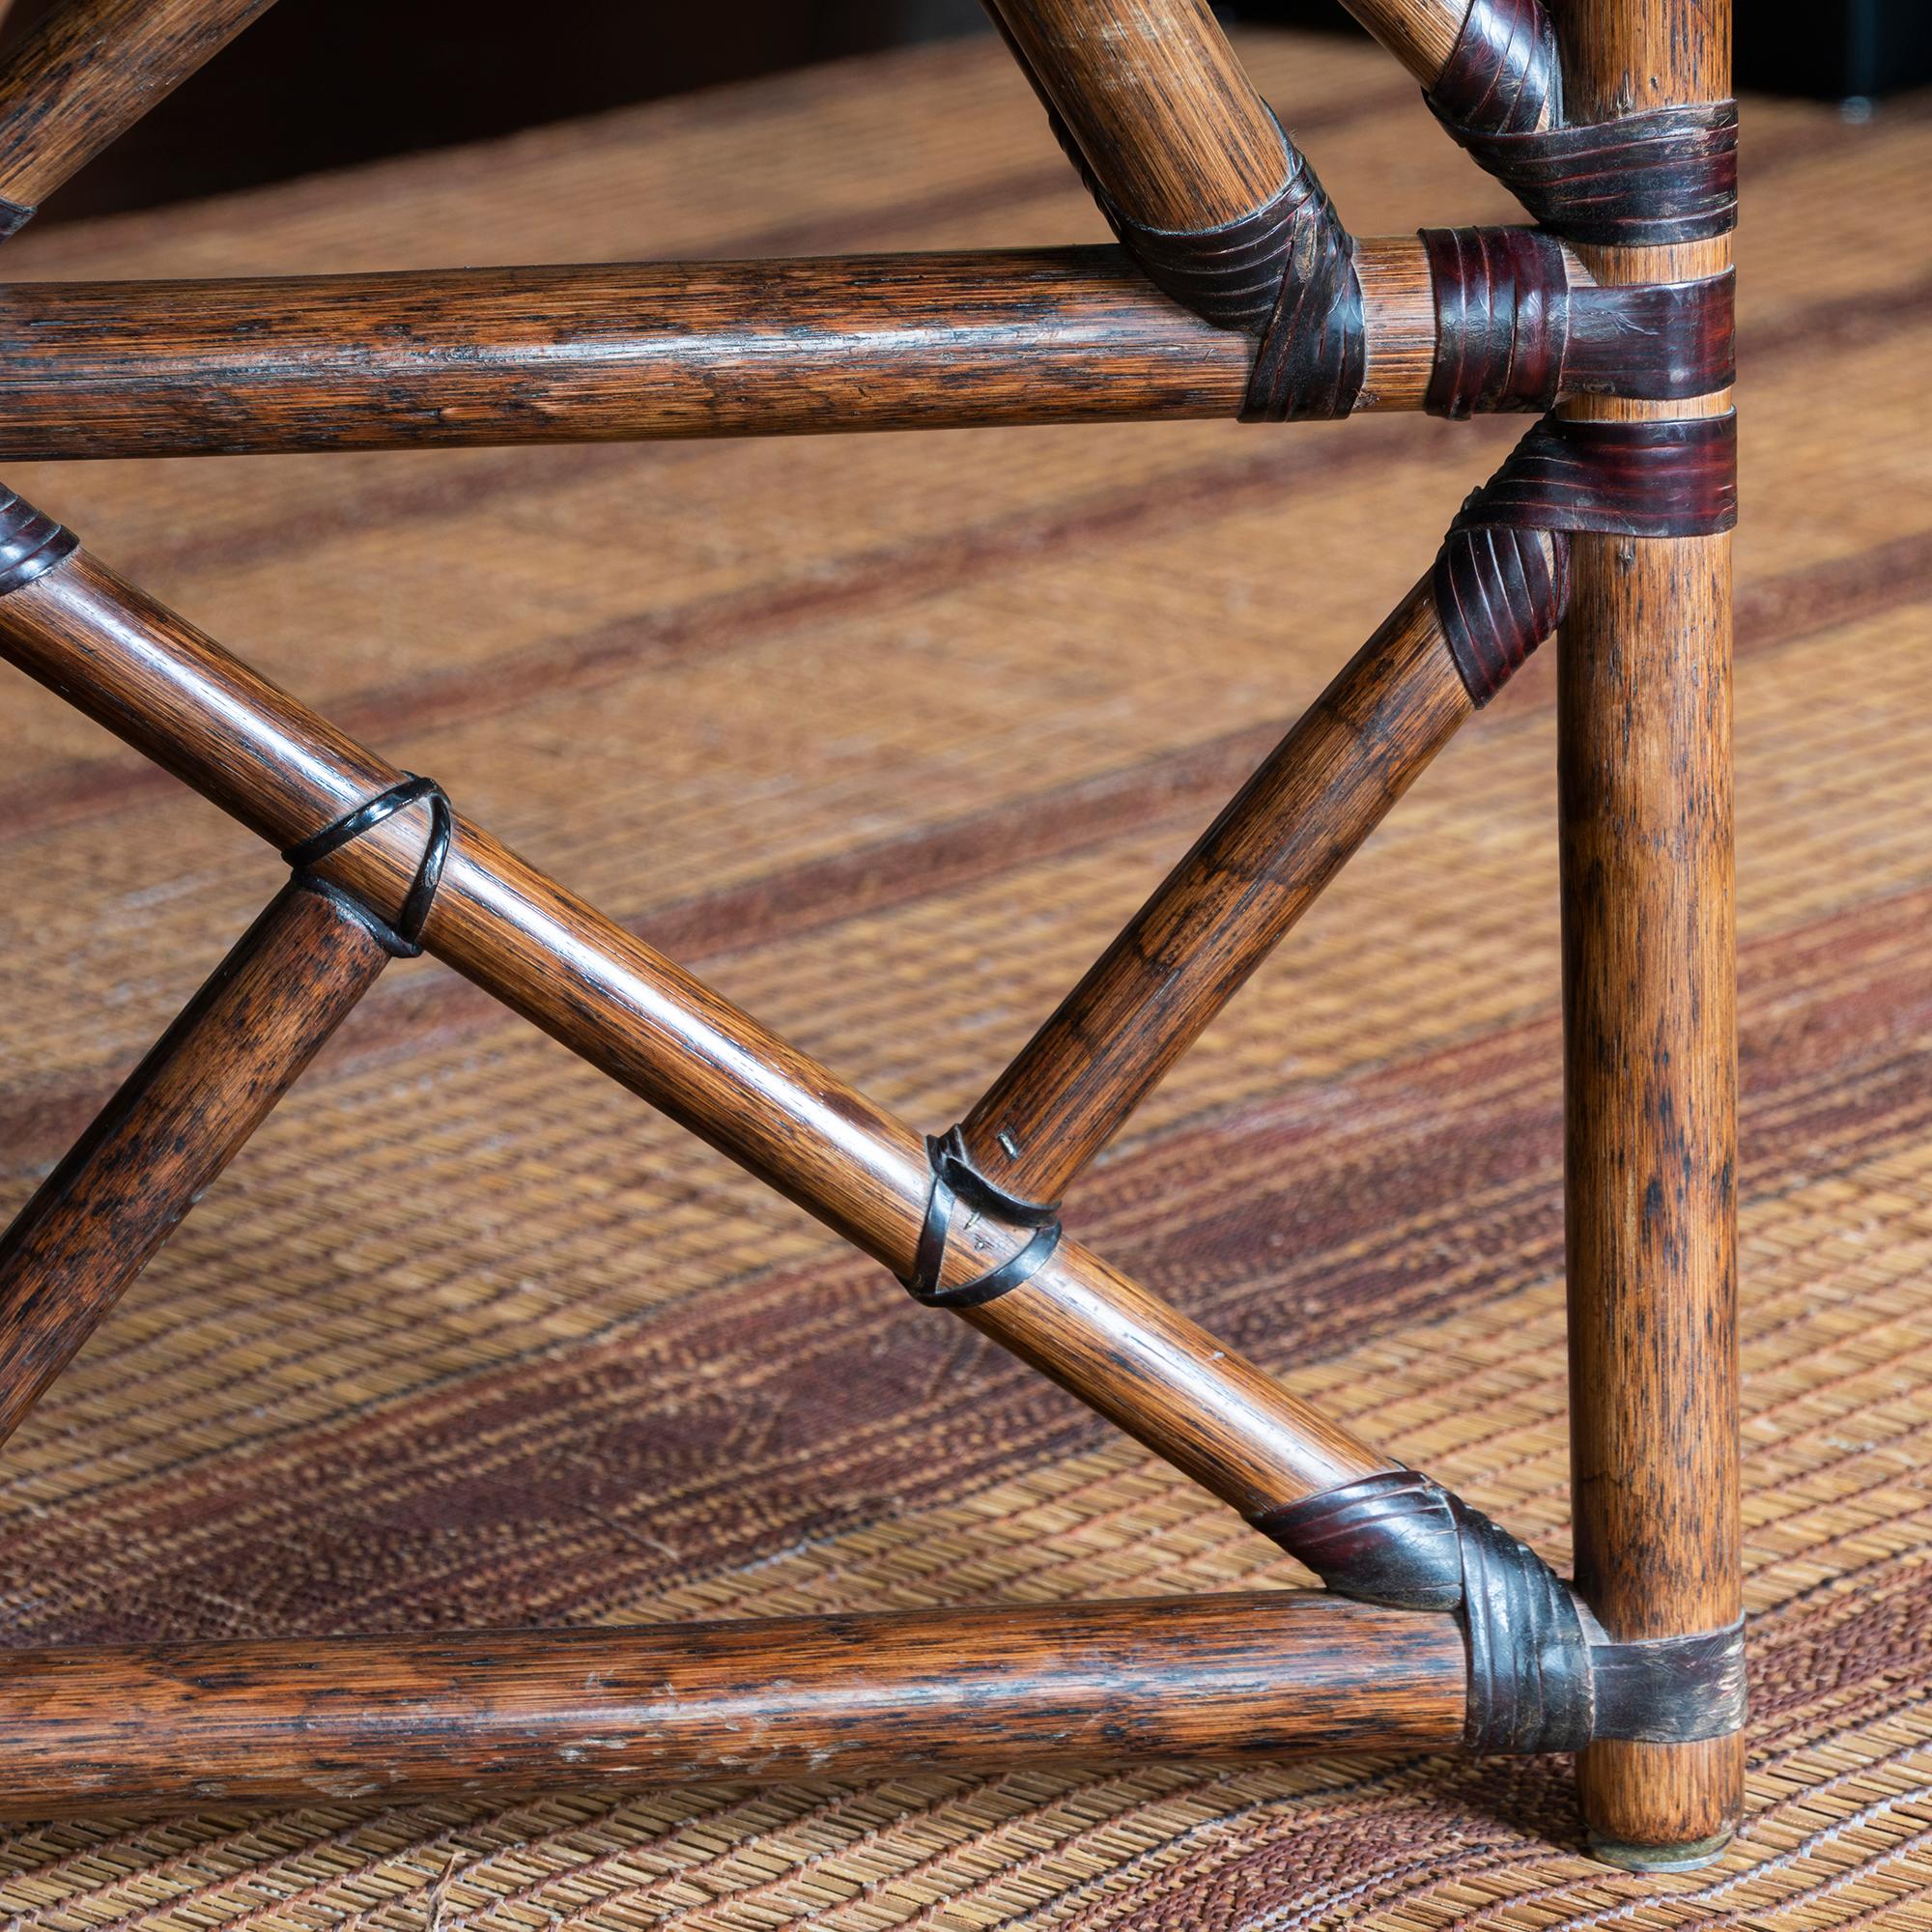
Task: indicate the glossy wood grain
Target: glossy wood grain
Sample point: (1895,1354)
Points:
(89,71)
(1159,105)
(175,1121)
(1223,908)
(578,354)
(159,682)
(660,349)
(1651,1067)
(1250,1677)
(1419,33)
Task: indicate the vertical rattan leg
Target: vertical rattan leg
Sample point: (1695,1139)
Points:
(1649,972)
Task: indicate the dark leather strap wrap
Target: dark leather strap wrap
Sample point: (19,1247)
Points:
(1543,1676)
(1667,175)
(31,542)
(1286,273)
(1502,76)
(1670,1689)
(404,937)
(13,217)
(955,1180)
(1657,341)
(1502,320)
(1530,1687)
(1313,353)
(1498,593)
(1502,576)
(1511,333)
(1387,1539)
(1677,478)
(1398,1537)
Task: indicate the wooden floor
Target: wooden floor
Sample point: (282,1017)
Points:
(886,736)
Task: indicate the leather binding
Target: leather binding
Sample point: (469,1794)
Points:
(1676,478)
(404,938)
(1502,320)
(1512,334)
(1543,1676)
(1670,1689)
(955,1180)
(31,542)
(1657,341)
(1667,175)
(1498,593)
(1398,1537)
(1502,576)
(1284,273)
(13,216)
(1502,75)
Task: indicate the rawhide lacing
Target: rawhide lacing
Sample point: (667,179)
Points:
(403,937)
(1542,1675)
(1503,575)
(955,1180)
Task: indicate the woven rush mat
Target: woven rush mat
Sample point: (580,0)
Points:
(885,736)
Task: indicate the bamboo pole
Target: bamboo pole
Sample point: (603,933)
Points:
(1224,907)
(1160,107)
(1421,34)
(1644,723)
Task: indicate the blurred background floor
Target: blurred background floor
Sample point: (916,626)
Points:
(885,736)
(317,84)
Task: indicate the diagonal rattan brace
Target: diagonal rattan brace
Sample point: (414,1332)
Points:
(1542,1675)
(955,1180)
(404,938)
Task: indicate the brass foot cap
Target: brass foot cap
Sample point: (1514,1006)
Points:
(1693,1857)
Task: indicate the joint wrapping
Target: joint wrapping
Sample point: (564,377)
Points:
(1284,273)
(1667,175)
(1502,576)
(1543,1676)
(13,216)
(955,1180)
(1512,334)
(1503,75)
(1398,1537)
(31,542)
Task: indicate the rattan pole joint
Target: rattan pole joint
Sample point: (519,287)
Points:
(1503,575)
(1542,1675)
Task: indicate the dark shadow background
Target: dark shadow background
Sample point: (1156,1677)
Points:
(321,83)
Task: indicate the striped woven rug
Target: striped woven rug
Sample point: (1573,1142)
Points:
(885,736)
